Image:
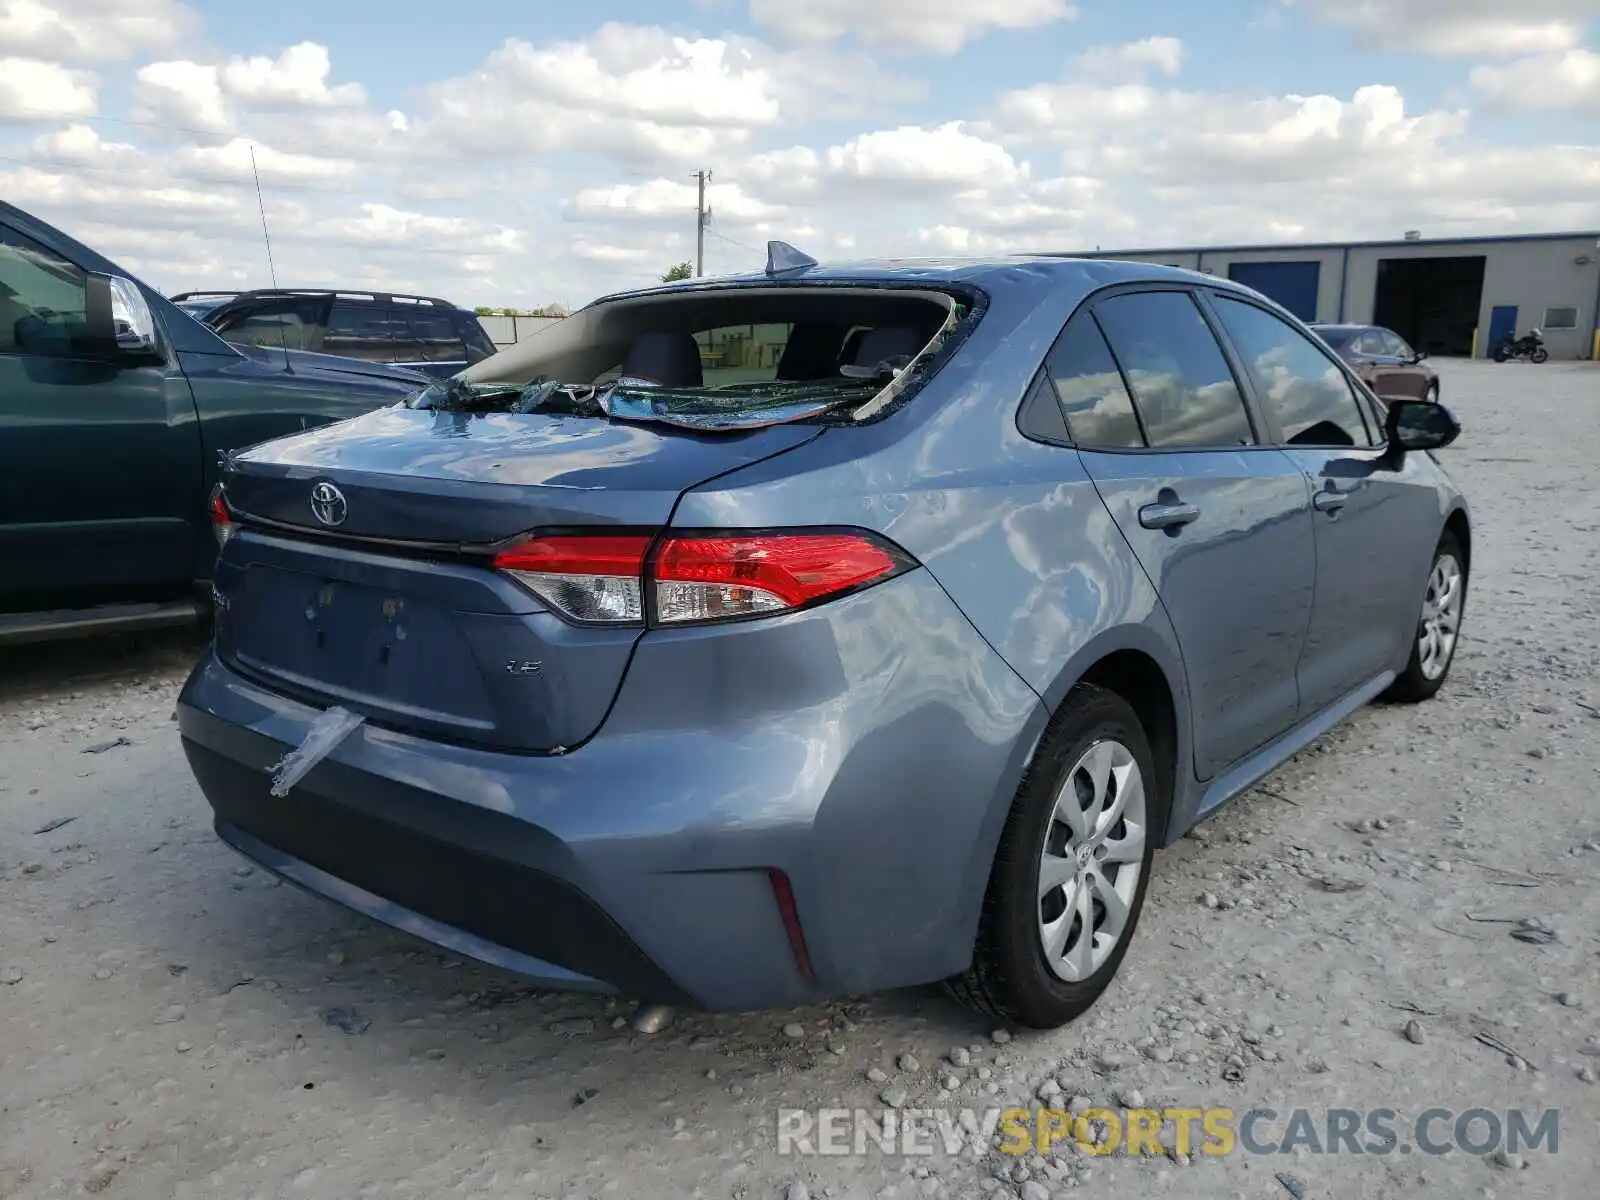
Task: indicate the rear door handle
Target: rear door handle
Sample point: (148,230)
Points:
(1329,502)
(1168,516)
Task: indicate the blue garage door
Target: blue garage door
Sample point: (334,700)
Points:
(1291,284)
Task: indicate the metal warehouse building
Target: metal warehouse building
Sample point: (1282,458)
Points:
(1457,297)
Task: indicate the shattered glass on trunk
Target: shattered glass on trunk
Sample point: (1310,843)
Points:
(740,407)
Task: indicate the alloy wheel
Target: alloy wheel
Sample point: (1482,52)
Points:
(1092,859)
(1441,617)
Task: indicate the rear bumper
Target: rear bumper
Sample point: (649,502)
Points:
(435,870)
(868,749)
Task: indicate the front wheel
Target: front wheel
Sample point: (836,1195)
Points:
(1539,355)
(1501,355)
(1433,648)
(1070,874)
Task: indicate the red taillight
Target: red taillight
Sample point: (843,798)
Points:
(222,523)
(602,578)
(586,578)
(715,578)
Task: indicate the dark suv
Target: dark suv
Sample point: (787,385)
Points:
(420,332)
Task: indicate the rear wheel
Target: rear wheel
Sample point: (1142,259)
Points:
(1539,355)
(1438,626)
(1069,878)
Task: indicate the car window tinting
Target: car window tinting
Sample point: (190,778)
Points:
(1297,382)
(279,323)
(364,331)
(436,337)
(43,300)
(1184,390)
(1093,397)
(1335,336)
(479,343)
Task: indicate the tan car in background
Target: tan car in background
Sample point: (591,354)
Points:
(1384,360)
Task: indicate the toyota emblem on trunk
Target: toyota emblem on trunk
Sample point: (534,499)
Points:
(328,504)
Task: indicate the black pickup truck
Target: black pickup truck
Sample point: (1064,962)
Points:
(114,408)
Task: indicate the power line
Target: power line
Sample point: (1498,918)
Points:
(733,241)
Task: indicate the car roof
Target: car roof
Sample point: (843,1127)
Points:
(353,295)
(1039,274)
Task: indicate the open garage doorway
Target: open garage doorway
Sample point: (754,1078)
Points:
(1431,302)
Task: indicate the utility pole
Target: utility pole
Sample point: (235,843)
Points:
(703,177)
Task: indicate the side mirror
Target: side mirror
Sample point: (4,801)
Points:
(121,325)
(1420,425)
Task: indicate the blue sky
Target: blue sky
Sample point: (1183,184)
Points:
(515,153)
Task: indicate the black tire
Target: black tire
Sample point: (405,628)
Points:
(1010,979)
(1500,356)
(1539,355)
(1413,686)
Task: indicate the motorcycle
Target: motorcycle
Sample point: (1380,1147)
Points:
(1529,346)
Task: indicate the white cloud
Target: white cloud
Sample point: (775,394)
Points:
(1567,79)
(234,160)
(181,93)
(90,30)
(1117,63)
(932,26)
(81,144)
(32,90)
(636,92)
(943,156)
(670,200)
(633,71)
(383,225)
(212,97)
(1462,28)
(297,78)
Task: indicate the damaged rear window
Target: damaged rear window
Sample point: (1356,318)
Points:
(723,359)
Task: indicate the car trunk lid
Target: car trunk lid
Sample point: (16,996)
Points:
(391,609)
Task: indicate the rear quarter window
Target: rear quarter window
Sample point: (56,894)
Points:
(1093,396)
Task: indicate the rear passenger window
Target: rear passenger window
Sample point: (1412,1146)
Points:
(1301,387)
(364,331)
(1094,399)
(1185,392)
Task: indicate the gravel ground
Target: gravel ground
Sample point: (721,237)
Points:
(174,1024)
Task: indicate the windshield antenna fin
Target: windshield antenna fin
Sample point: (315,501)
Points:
(783,257)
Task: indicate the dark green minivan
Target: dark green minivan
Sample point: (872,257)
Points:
(114,408)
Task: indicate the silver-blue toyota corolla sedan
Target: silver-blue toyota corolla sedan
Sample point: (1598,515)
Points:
(750,641)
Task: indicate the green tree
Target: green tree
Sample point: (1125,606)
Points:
(483,310)
(682,270)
